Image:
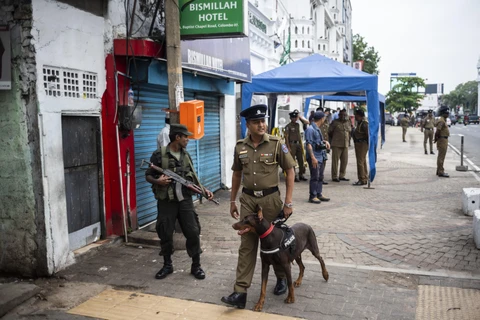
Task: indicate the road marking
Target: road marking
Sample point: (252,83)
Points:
(468,161)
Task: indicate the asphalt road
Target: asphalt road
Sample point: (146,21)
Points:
(471,138)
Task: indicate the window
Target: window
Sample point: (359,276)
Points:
(303,30)
(296,43)
(323,47)
(303,44)
(296,30)
(69,83)
(308,30)
(308,44)
(318,47)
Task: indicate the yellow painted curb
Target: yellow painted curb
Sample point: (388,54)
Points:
(119,305)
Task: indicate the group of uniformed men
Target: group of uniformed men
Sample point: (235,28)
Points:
(255,168)
(434,131)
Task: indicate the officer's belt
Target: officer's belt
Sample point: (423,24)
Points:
(261,193)
(294,142)
(360,140)
(428,128)
(443,137)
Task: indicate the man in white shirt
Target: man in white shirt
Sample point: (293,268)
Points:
(163,137)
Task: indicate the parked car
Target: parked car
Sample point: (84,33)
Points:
(473,119)
(389,119)
(449,122)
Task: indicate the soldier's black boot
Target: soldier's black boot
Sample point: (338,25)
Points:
(280,287)
(167,268)
(431,152)
(196,270)
(236,299)
(426,152)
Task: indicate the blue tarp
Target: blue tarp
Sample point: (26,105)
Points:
(316,74)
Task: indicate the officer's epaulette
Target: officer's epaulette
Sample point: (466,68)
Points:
(275,138)
(240,141)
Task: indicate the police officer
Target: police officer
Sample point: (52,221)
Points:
(171,205)
(256,159)
(404,123)
(441,139)
(428,126)
(293,139)
(360,140)
(324,129)
(339,133)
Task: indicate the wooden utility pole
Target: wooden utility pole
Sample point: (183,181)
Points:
(174,58)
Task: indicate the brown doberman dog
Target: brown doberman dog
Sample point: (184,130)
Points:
(272,253)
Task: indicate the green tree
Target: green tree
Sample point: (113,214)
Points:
(465,94)
(369,56)
(404,96)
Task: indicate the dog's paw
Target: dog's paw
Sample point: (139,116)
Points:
(290,299)
(258,307)
(297,284)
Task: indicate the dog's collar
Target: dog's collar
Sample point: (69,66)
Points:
(267,232)
(270,251)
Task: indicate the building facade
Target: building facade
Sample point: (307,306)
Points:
(70,163)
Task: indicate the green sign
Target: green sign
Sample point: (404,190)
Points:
(212,18)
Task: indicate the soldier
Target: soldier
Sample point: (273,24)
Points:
(428,124)
(360,139)
(339,133)
(404,123)
(172,206)
(257,158)
(293,138)
(441,139)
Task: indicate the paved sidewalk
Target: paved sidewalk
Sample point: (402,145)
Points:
(379,245)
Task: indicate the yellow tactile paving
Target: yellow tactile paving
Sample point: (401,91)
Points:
(123,305)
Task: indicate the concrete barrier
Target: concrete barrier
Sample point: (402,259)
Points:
(476,228)
(471,200)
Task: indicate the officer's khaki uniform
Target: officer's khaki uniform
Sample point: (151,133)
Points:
(294,138)
(260,172)
(339,133)
(360,138)
(428,126)
(404,124)
(442,143)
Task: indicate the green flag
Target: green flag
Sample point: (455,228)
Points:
(286,51)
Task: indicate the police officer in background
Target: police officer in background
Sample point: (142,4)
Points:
(428,126)
(293,139)
(339,133)
(324,129)
(404,123)
(256,159)
(360,139)
(171,205)
(441,139)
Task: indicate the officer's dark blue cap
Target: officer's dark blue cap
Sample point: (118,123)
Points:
(318,115)
(258,111)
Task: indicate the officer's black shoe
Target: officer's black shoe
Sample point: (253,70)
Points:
(281,287)
(198,272)
(431,152)
(164,272)
(296,179)
(444,175)
(426,152)
(236,299)
(302,178)
(344,179)
(335,180)
(325,182)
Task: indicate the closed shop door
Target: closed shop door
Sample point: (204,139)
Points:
(82,170)
(205,153)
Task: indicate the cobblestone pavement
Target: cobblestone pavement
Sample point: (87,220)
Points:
(379,245)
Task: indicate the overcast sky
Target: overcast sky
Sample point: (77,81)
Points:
(437,39)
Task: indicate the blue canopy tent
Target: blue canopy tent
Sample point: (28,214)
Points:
(316,74)
(352,98)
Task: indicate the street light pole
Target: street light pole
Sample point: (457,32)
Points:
(174,58)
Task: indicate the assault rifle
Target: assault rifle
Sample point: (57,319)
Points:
(179,182)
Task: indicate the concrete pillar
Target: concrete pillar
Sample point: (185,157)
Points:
(470,201)
(476,228)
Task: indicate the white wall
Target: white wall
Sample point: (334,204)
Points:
(68,38)
(229,137)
